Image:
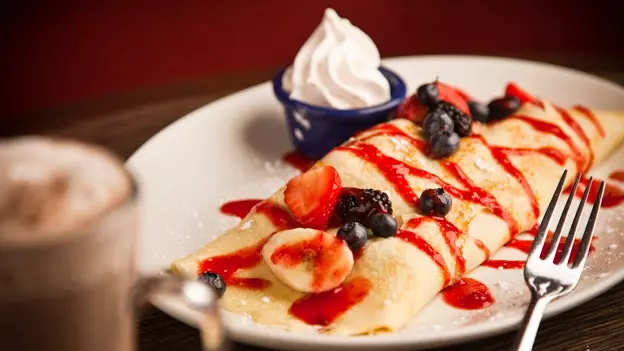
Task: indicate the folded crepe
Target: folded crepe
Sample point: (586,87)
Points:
(501,180)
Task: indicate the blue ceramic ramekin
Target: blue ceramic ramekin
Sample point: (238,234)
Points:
(315,130)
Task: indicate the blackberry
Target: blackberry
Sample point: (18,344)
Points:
(346,205)
(358,204)
(379,198)
(461,120)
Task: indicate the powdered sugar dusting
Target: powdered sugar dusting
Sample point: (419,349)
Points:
(246,225)
(506,286)
(400,144)
(482,165)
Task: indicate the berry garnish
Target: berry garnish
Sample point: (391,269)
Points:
(383,225)
(354,234)
(478,111)
(513,90)
(214,281)
(503,107)
(436,121)
(312,196)
(461,121)
(463,94)
(428,95)
(358,204)
(443,144)
(412,110)
(449,94)
(435,202)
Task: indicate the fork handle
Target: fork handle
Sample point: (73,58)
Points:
(526,335)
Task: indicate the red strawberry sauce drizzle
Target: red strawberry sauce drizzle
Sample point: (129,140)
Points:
(553,153)
(416,240)
(468,294)
(592,118)
(298,160)
(394,171)
(580,132)
(229,264)
(613,194)
(504,264)
(482,247)
(556,131)
(450,233)
(239,208)
(324,308)
(478,195)
(501,157)
(316,309)
(319,251)
(524,245)
(617,175)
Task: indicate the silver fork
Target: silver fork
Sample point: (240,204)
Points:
(548,279)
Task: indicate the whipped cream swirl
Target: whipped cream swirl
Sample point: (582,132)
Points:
(338,66)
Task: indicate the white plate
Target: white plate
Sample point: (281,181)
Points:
(230,150)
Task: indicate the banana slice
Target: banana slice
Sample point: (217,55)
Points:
(308,260)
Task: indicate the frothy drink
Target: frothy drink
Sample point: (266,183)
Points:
(67,242)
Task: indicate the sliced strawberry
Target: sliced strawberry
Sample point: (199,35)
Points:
(450,95)
(463,94)
(411,109)
(514,90)
(312,196)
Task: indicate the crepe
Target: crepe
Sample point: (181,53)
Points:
(501,180)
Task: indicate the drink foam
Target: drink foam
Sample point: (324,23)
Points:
(49,188)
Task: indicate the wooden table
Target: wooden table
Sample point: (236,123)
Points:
(125,121)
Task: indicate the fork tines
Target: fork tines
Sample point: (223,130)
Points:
(540,237)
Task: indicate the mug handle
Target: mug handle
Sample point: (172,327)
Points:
(198,297)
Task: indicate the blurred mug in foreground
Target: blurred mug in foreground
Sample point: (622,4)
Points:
(68,234)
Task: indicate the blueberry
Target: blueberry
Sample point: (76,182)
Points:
(502,107)
(443,144)
(383,225)
(435,202)
(428,95)
(215,281)
(479,111)
(354,234)
(435,121)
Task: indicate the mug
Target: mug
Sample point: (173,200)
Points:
(68,276)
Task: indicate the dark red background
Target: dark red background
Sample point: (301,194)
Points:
(58,52)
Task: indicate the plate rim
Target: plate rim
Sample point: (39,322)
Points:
(275,337)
